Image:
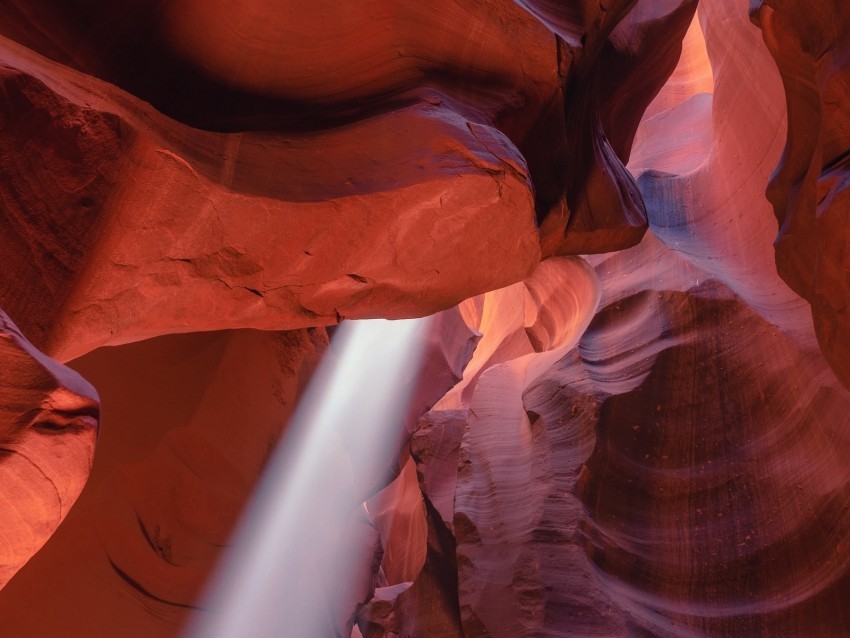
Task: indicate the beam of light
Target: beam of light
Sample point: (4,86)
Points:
(288,569)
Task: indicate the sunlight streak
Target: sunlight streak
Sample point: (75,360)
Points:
(290,567)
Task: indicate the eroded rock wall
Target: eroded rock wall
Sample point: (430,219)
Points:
(810,44)
(650,442)
(682,471)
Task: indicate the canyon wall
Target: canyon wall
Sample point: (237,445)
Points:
(632,420)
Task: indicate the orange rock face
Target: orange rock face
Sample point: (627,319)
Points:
(631,419)
(49,419)
(310,186)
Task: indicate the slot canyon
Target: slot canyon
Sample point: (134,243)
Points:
(622,410)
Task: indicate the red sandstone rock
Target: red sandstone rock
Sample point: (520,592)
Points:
(620,54)
(680,472)
(676,469)
(329,175)
(810,43)
(249,230)
(176,471)
(49,420)
(652,489)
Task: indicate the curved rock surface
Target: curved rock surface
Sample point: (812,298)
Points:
(682,471)
(249,198)
(632,415)
(169,481)
(206,231)
(810,45)
(49,417)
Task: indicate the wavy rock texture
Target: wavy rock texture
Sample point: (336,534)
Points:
(650,442)
(618,55)
(526,328)
(671,468)
(810,45)
(681,472)
(249,198)
(49,418)
(166,173)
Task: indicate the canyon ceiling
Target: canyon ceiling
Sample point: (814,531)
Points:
(627,218)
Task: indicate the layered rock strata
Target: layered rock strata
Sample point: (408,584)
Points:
(648,442)
(679,473)
(810,44)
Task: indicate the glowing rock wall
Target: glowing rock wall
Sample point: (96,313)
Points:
(634,417)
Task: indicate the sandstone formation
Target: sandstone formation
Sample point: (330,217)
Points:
(49,420)
(642,493)
(262,209)
(810,46)
(169,478)
(631,414)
